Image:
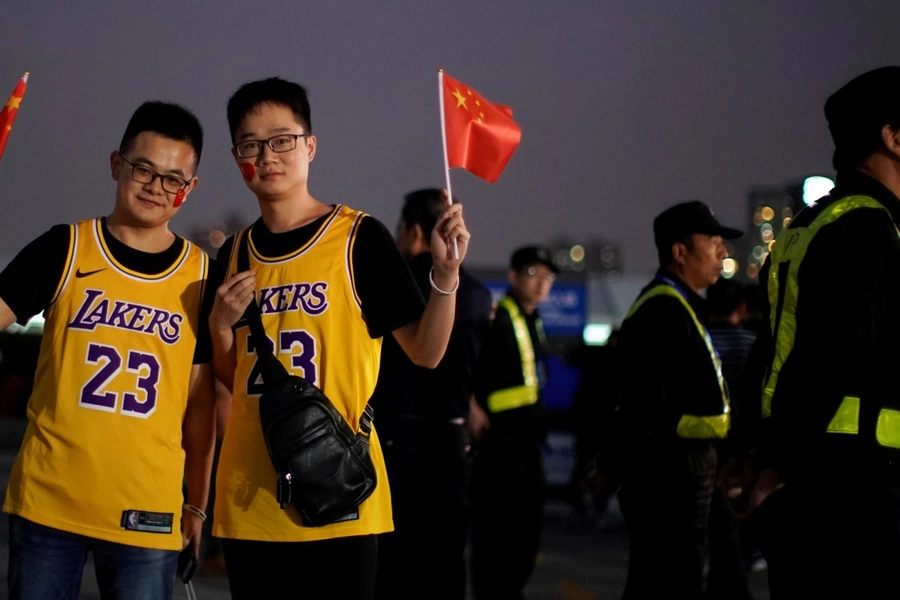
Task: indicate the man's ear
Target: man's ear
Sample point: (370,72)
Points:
(891,139)
(420,235)
(311,143)
(679,252)
(115,163)
(190,188)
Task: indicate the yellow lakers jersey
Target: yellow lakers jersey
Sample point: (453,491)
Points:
(314,322)
(102,452)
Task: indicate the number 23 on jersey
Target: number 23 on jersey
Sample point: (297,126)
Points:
(296,342)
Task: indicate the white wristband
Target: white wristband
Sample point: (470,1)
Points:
(439,290)
(193,509)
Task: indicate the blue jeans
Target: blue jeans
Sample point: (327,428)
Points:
(47,564)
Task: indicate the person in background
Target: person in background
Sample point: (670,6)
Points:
(728,560)
(508,475)
(422,421)
(821,477)
(673,408)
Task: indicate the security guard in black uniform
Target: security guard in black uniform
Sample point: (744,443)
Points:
(508,474)
(672,408)
(827,494)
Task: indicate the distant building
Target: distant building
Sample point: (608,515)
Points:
(769,210)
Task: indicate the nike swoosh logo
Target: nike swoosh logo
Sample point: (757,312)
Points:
(79,273)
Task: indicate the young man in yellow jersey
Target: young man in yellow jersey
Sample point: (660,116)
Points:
(331,283)
(123,404)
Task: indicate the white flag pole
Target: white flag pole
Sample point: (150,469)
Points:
(446,160)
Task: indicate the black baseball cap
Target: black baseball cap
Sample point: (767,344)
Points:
(679,221)
(532,255)
(858,112)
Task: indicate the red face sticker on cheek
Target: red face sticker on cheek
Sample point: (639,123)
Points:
(179,198)
(248,171)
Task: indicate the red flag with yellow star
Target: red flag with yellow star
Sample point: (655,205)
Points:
(480,137)
(8,114)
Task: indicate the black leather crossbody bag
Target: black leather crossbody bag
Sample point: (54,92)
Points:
(324,467)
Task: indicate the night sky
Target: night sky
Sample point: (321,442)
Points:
(625,108)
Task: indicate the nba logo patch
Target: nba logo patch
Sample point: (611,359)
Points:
(151,522)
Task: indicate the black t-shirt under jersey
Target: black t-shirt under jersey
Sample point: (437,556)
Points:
(28,283)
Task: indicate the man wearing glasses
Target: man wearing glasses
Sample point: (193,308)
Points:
(331,284)
(122,406)
(508,473)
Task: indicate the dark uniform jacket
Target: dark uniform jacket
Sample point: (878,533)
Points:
(847,338)
(666,369)
(501,368)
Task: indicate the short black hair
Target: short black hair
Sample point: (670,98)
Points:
(168,120)
(423,208)
(724,297)
(273,90)
(665,253)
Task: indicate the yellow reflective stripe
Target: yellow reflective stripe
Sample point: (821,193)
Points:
(691,426)
(514,397)
(846,419)
(787,253)
(887,430)
(703,428)
(526,394)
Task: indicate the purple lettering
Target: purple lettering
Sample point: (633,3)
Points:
(300,290)
(172,331)
(320,301)
(159,317)
(118,314)
(283,297)
(137,321)
(95,310)
(305,359)
(265,300)
(98,313)
(80,321)
(93,394)
(132,405)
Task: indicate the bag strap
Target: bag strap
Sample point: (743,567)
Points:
(272,369)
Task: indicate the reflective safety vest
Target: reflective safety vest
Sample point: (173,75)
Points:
(702,427)
(783,290)
(527,393)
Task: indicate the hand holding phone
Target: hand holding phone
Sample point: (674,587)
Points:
(187,563)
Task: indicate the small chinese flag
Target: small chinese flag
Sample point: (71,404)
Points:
(481,137)
(8,114)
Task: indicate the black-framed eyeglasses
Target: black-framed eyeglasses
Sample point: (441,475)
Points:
(144,174)
(532,272)
(277,143)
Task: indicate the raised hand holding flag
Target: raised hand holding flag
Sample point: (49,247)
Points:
(478,136)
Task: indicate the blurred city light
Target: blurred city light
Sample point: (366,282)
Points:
(815,187)
(577,253)
(597,334)
(729,268)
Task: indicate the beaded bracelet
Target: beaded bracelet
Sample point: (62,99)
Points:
(196,511)
(439,290)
